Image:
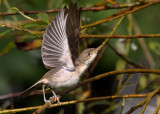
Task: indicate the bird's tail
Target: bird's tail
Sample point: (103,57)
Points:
(32,88)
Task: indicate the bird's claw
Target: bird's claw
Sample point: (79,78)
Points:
(48,101)
(56,100)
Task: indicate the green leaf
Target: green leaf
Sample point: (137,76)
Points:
(7,48)
(4,33)
(30,36)
(152,77)
(44,17)
(142,83)
(155,47)
(32,25)
(14,9)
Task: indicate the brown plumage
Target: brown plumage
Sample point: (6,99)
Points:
(72,29)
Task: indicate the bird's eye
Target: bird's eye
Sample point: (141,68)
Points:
(89,54)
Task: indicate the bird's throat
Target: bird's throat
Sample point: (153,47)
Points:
(81,69)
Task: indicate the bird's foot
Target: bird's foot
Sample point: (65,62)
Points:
(56,100)
(48,101)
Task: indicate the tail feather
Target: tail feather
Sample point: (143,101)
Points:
(32,88)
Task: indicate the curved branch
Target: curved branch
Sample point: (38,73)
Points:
(125,58)
(118,6)
(111,73)
(121,13)
(149,96)
(130,71)
(122,36)
(144,102)
(76,101)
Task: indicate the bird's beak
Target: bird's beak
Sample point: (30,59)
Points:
(99,48)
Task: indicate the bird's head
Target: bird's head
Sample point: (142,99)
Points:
(87,56)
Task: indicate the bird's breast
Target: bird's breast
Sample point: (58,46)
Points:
(63,79)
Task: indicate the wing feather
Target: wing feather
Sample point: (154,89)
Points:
(55,48)
(72,29)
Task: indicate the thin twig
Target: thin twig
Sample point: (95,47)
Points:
(144,101)
(122,108)
(90,35)
(20,28)
(150,95)
(157,110)
(122,36)
(111,73)
(124,58)
(103,46)
(105,2)
(76,101)
(144,47)
(102,76)
(120,14)
(140,104)
(83,9)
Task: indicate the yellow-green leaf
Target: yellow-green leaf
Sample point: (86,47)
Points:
(155,47)
(7,48)
(5,32)
(44,17)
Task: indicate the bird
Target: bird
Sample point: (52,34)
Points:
(59,53)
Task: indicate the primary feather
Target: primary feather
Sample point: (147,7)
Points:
(72,29)
(55,47)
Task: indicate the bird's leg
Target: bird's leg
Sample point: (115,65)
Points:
(56,98)
(43,88)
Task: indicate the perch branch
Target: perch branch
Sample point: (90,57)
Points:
(132,71)
(76,101)
(118,6)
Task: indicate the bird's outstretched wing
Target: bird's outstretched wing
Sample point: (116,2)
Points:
(55,48)
(72,29)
